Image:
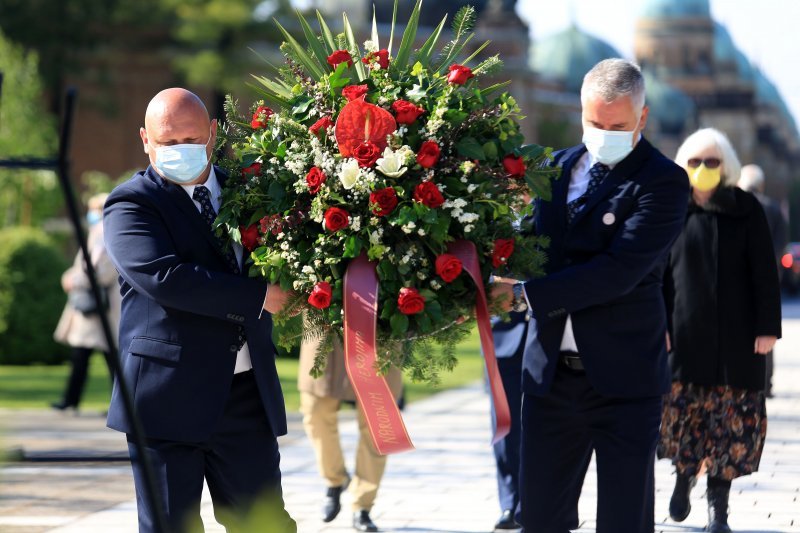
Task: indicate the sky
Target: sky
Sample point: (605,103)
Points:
(767,31)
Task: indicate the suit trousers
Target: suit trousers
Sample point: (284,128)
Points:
(239,462)
(321,422)
(559,433)
(507,449)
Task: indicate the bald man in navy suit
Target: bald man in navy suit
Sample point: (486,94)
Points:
(195,333)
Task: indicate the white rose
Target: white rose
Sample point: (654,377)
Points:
(391,164)
(349,173)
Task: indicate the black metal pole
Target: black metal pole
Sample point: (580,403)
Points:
(151,490)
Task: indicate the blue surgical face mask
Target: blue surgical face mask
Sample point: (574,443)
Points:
(93,217)
(182,163)
(608,147)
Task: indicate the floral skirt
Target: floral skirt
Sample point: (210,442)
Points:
(724,425)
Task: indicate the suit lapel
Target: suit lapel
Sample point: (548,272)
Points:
(561,189)
(623,170)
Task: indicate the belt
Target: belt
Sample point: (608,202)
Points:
(571,360)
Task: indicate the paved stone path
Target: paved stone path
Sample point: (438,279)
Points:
(446,485)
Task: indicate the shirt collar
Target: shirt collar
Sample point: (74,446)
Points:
(212,184)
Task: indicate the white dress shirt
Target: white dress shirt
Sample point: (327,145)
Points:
(578,183)
(243,362)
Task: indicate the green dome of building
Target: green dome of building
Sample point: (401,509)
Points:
(671,108)
(568,55)
(676,9)
(725,51)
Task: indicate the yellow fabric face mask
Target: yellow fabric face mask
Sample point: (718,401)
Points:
(705,179)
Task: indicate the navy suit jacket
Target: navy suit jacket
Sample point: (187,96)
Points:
(605,270)
(181,306)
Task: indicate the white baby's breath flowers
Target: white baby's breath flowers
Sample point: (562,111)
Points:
(370,46)
(349,173)
(468,228)
(421,275)
(471,187)
(355,223)
(392,164)
(435,285)
(408,227)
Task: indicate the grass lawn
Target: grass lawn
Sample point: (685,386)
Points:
(37,386)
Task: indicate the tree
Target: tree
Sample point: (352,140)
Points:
(27,129)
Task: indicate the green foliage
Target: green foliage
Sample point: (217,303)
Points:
(26,130)
(31,298)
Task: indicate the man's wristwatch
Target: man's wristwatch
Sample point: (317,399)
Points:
(518,304)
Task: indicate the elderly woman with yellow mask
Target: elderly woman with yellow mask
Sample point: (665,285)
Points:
(722,288)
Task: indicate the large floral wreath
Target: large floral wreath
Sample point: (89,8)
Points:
(392,155)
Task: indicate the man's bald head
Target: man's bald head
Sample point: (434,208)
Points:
(177,116)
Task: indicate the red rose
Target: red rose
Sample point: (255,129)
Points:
(385,199)
(410,301)
(427,193)
(249,236)
(503,248)
(366,154)
(336,218)
(406,112)
(340,56)
(260,117)
(320,296)
(351,92)
(381,57)
(428,154)
(514,165)
(448,267)
(314,179)
(252,170)
(459,74)
(321,125)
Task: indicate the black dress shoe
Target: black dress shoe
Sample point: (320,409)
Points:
(362,521)
(506,521)
(332,505)
(63,406)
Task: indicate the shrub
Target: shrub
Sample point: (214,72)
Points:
(31,298)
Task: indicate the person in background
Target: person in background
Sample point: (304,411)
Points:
(80,326)
(752,181)
(722,289)
(320,400)
(509,344)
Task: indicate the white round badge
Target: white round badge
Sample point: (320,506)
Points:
(609,219)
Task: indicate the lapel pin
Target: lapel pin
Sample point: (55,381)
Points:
(609,219)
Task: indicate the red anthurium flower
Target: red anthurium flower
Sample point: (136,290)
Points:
(448,267)
(261,117)
(361,121)
(459,74)
(410,301)
(405,112)
(381,57)
(314,179)
(336,218)
(351,92)
(252,170)
(503,248)
(427,193)
(385,200)
(249,236)
(428,154)
(514,165)
(321,125)
(320,296)
(340,56)
(366,154)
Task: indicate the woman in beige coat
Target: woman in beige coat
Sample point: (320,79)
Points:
(83,331)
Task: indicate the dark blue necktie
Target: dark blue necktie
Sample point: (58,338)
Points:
(597,174)
(202,195)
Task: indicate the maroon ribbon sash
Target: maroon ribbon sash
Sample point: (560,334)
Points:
(466,252)
(385,424)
